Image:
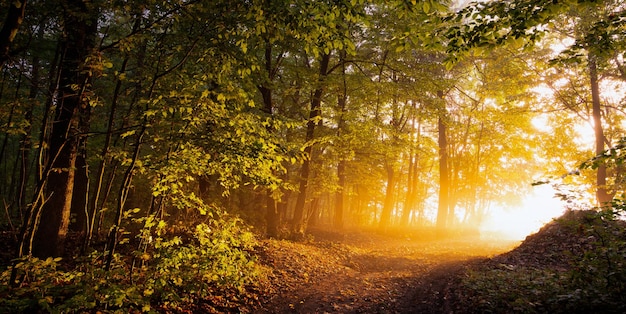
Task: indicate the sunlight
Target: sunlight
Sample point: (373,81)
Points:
(515,223)
(540,122)
(586,136)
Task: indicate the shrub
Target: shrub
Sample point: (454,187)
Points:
(594,281)
(167,272)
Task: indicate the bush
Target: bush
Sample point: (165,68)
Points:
(591,282)
(167,272)
(598,277)
(512,289)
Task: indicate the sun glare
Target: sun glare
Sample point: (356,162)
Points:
(515,223)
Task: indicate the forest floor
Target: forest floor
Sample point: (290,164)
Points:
(560,269)
(368,272)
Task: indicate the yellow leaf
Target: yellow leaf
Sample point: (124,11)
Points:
(128,133)
(145,256)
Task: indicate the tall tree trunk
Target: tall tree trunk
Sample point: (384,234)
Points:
(31,213)
(342,102)
(80,194)
(444,184)
(93,206)
(15,16)
(602,195)
(314,213)
(453,190)
(104,154)
(283,204)
(340,195)
(272,218)
(410,191)
(26,140)
(385,216)
(125,188)
(80,30)
(138,90)
(409,203)
(315,112)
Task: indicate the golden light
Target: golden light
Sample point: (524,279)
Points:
(538,207)
(517,222)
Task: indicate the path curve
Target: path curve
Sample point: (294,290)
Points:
(367,273)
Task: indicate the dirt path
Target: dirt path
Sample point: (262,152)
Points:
(366,273)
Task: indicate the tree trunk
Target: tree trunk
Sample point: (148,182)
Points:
(340,195)
(314,216)
(93,207)
(272,218)
(125,188)
(283,203)
(26,140)
(409,203)
(444,184)
(298,226)
(602,195)
(80,197)
(385,216)
(342,102)
(80,194)
(80,29)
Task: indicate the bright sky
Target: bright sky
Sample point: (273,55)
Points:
(515,223)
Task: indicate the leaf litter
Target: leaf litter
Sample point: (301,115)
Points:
(362,272)
(374,272)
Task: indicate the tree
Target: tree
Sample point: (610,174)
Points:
(443,209)
(596,36)
(326,33)
(314,115)
(80,26)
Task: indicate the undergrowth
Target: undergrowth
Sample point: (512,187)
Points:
(165,272)
(593,281)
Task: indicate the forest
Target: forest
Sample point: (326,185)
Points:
(163,156)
